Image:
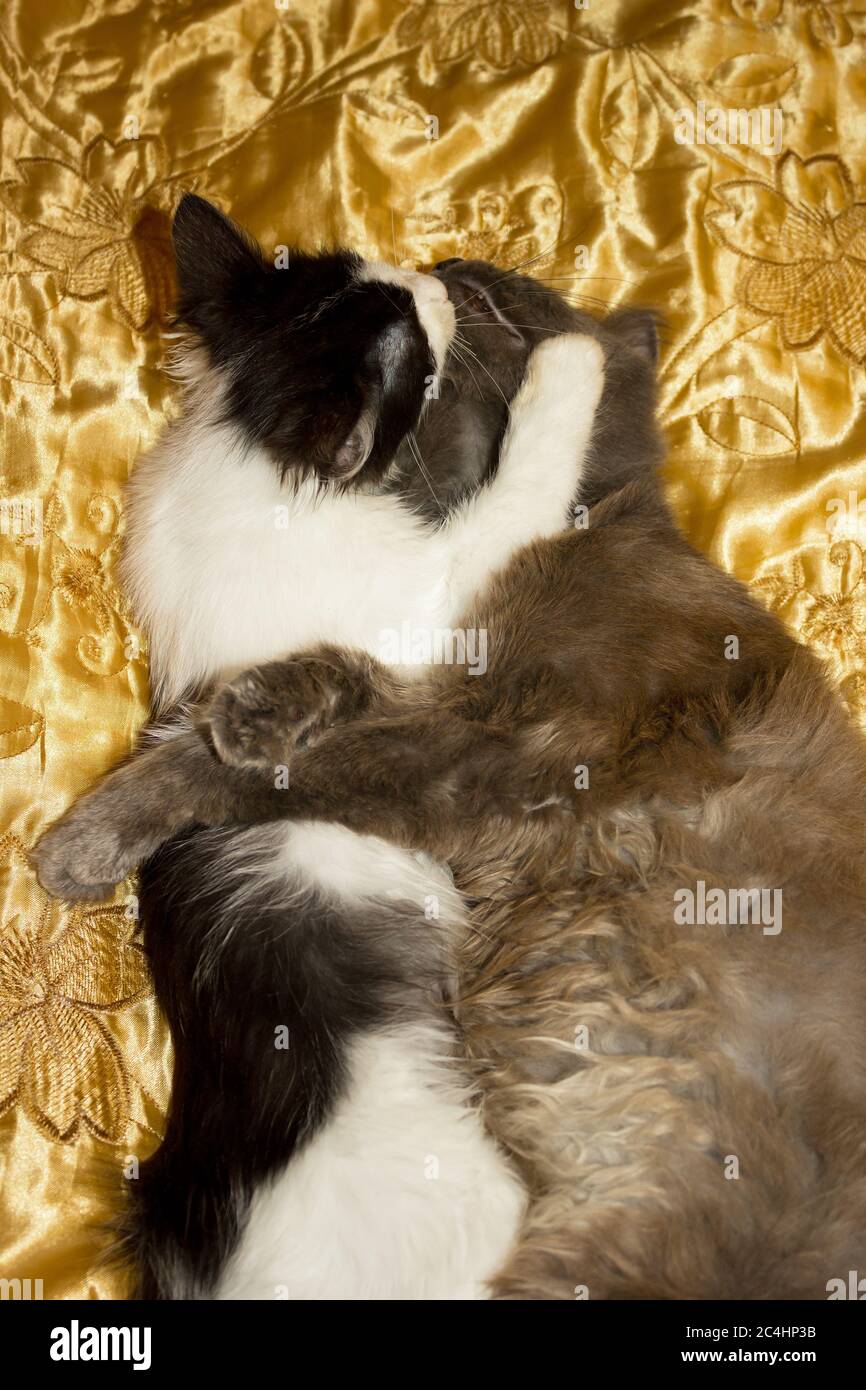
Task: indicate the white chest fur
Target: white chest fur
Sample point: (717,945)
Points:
(227,566)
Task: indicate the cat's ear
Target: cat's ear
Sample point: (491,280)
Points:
(355,448)
(637,330)
(213,256)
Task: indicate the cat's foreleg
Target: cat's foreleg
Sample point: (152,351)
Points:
(368,775)
(228,770)
(270,711)
(541,463)
(128,815)
(419,780)
(322,736)
(352,748)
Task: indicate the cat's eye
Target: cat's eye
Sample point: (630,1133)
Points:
(478,310)
(478,304)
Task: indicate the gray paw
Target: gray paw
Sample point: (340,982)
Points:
(94,846)
(265,714)
(77,861)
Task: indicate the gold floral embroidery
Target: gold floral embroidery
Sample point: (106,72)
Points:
(498,32)
(833,623)
(78,577)
(58,1057)
(83,580)
(804,238)
(828,24)
(510,230)
(103,225)
(837,622)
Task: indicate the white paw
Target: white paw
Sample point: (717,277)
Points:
(569,364)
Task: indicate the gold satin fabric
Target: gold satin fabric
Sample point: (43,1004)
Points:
(531,133)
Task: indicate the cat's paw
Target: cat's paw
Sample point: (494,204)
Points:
(564,365)
(268,712)
(85,854)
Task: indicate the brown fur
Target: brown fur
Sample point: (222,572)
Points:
(705,1043)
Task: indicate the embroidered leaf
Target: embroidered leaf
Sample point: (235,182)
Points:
(20,727)
(828,28)
(390,105)
(749,425)
(91,73)
(628,119)
(753,78)
(24,356)
(278,61)
(775,590)
(758,11)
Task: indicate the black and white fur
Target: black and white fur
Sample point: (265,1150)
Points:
(351,1163)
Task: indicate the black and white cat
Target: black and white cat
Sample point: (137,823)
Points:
(322,1141)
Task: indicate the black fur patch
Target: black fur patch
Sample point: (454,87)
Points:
(241,1106)
(314,355)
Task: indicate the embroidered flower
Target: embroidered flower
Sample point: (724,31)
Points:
(804,238)
(102,225)
(834,621)
(510,231)
(58,1058)
(78,577)
(498,32)
(837,621)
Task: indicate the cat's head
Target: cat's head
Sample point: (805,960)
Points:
(501,315)
(324,361)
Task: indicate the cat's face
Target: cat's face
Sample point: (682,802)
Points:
(324,362)
(501,315)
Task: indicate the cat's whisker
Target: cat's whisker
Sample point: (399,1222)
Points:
(536,327)
(462,360)
(614,279)
(517,269)
(484,368)
(531,260)
(413,445)
(401,312)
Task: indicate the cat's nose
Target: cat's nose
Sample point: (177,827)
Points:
(452,260)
